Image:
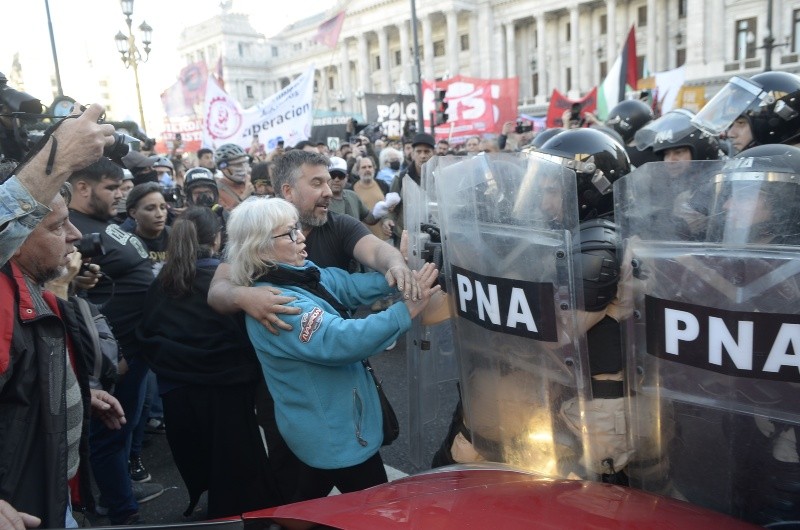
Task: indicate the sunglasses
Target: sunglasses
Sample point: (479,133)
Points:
(339,176)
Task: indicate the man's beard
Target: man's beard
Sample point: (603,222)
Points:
(42,275)
(312,220)
(98,208)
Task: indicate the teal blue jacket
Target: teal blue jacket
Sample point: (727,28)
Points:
(326,405)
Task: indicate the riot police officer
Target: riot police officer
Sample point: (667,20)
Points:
(597,161)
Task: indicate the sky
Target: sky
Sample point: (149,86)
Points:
(84,34)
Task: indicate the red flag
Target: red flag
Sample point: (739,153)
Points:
(328,32)
(560,103)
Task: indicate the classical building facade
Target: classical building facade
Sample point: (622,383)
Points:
(563,44)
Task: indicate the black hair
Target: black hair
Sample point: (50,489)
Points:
(192,237)
(103,168)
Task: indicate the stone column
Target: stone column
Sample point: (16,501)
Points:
(541,57)
(511,52)
(363,64)
(485,44)
(405,55)
(344,75)
(650,58)
(474,55)
(554,73)
(386,70)
(427,44)
(453,49)
(574,51)
(499,69)
(611,32)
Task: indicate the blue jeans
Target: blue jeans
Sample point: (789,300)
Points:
(109,449)
(152,408)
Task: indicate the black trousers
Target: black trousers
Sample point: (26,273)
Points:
(215,442)
(296,480)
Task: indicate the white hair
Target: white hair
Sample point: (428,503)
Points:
(386,152)
(249,231)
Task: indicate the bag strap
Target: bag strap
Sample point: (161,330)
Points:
(368,366)
(86,314)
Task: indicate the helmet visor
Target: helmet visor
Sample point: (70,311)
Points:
(729,103)
(669,128)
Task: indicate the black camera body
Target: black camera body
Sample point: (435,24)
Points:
(521,128)
(91,246)
(174,196)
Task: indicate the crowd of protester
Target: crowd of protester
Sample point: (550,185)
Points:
(230,280)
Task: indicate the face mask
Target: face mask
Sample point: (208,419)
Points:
(239,174)
(205,199)
(394,164)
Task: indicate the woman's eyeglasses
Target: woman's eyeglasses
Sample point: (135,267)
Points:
(293,233)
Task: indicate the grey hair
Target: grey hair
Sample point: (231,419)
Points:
(386,152)
(250,229)
(288,167)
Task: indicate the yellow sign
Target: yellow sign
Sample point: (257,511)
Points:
(691,98)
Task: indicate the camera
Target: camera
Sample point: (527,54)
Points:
(122,145)
(91,246)
(174,196)
(575,112)
(522,128)
(16,109)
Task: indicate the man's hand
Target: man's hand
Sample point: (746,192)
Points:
(508,128)
(81,140)
(425,278)
(11,519)
(78,142)
(387,225)
(403,277)
(88,277)
(106,408)
(264,304)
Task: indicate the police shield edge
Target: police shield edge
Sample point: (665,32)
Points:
(507,230)
(431,361)
(713,347)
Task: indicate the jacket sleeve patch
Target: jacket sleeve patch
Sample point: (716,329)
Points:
(309,323)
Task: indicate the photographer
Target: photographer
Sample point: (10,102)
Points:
(127,274)
(72,145)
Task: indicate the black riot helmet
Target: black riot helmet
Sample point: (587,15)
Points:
(545,135)
(597,160)
(675,129)
(198,177)
(628,117)
(770,101)
(755,197)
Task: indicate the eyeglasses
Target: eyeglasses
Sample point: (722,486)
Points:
(339,176)
(293,234)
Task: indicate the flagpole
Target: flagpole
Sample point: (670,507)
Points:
(416,74)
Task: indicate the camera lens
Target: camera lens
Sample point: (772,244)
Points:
(90,246)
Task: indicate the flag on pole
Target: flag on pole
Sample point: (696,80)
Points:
(328,31)
(621,78)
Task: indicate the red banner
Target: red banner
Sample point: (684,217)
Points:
(559,103)
(475,106)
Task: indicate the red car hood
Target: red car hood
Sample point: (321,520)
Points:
(495,498)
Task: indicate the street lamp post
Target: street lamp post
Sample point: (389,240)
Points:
(129,52)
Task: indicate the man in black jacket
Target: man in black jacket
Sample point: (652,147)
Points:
(44,395)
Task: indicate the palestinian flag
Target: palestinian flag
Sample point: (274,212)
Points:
(621,78)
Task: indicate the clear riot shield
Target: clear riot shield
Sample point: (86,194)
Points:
(431,361)
(713,347)
(508,225)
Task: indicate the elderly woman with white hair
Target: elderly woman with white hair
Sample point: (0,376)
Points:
(326,404)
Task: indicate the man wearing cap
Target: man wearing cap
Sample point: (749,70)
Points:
(422,147)
(345,201)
